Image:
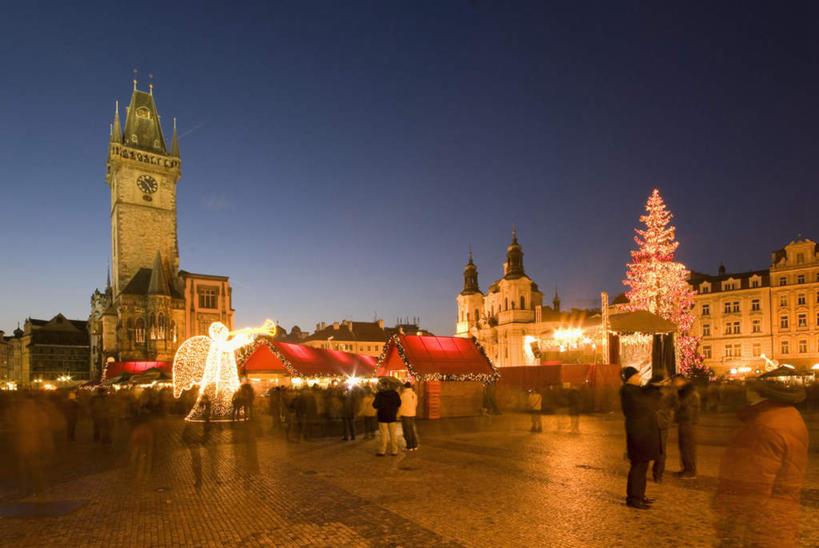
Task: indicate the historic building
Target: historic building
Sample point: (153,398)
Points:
(10,356)
(510,320)
(746,317)
(357,337)
(53,348)
(148,306)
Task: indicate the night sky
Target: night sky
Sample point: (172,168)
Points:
(338,158)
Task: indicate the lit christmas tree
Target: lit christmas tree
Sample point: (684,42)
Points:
(659,284)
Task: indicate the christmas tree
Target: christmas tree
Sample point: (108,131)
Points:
(659,284)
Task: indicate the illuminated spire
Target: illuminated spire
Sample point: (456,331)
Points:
(116,131)
(174,141)
(470,277)
(514,258)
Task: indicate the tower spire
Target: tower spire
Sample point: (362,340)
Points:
(174,141)
(556,302)
(470,276)
(116,130)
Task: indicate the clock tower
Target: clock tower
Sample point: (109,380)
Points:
(142,175)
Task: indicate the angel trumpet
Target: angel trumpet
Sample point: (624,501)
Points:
(267,328)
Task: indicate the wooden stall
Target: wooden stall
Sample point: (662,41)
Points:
(450,371)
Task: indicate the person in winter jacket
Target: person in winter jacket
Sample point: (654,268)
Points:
(409,403)
(760,475)
(642,436)
(367,412)
(688,415)
(386,402)
(667,401)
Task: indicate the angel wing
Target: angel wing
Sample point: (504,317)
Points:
(189,363)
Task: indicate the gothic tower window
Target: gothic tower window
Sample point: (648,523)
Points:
(139,331)
(522,303)
(160,327)
(506,304)
(152,327)
(173,331)
(477,316)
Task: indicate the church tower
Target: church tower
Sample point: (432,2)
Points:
(470,300)
(142,176)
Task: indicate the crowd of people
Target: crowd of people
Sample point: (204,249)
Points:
(761,471)
(340,409)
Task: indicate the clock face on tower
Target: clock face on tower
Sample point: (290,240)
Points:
(147,184)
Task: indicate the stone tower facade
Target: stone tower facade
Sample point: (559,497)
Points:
(144,313)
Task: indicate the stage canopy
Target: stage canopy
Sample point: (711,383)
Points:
(270,356)
(430,358)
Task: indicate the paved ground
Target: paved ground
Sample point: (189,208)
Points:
(481,482)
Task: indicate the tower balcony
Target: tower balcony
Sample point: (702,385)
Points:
(516,316)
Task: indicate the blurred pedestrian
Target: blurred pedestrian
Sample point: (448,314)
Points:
(101,416)
(642,436)
(688,415)
(349,407)
(575,405)
(666,398)
(367,412)
(409,404)
(71,411)
(535,401)
(761,472)
(386,402)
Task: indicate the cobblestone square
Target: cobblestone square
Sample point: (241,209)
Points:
(474,482)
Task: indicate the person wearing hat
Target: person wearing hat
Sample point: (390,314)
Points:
(760,475)
(642,436)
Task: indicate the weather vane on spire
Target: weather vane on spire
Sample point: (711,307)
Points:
(135,78)
(150,83)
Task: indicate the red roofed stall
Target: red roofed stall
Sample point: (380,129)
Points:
(113,369)
(276,360)
(451,372)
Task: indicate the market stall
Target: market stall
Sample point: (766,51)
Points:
(642,340)
(450,371)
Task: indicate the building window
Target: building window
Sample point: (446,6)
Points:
(737,351)
(706,330)
(817,296)
(783,322)
(139,331)
(477,315)
(783,301)
(208,297)
(802,320)
(152,327)
(173,331)
(754,305)
(783,281)
(784,347)
(727,308)
(800,258)
(754,283)
(756,350)
(522,303)
(729,351)
(800,279)
(801,299)
(704,288)
(803,346)
(756,326)
(736,328)
(735,306)
(706,310)
(706,352)
(160,327)
(506,303)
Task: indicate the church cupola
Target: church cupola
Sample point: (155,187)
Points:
(470,277)
(514,259)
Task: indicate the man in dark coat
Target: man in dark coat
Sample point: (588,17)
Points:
(387,401)
(642,436)
(666,396)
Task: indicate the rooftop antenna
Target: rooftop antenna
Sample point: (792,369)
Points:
(150,83)
(135,78)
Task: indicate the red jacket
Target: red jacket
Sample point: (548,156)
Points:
(760,477)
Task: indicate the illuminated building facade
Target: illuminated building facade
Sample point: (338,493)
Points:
(367,338)
(774,313)
(510,321)
(148,306)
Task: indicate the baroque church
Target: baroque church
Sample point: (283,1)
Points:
(149,306)
(510,321)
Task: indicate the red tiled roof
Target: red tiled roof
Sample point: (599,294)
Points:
(436,358)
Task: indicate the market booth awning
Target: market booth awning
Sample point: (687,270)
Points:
(640,321)
(429,358)
(115,369)
(298,360)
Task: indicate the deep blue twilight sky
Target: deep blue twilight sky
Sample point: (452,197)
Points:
(339,157)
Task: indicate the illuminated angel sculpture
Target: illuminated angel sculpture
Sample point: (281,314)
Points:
(210,363)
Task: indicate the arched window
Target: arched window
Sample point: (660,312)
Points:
(522,303)
(160,327)
(129,329)
(152,327)
(506,304)
(513,304)
(139,331)
(477,316)
(173,331)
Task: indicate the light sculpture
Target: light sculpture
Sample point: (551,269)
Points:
(210,363)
